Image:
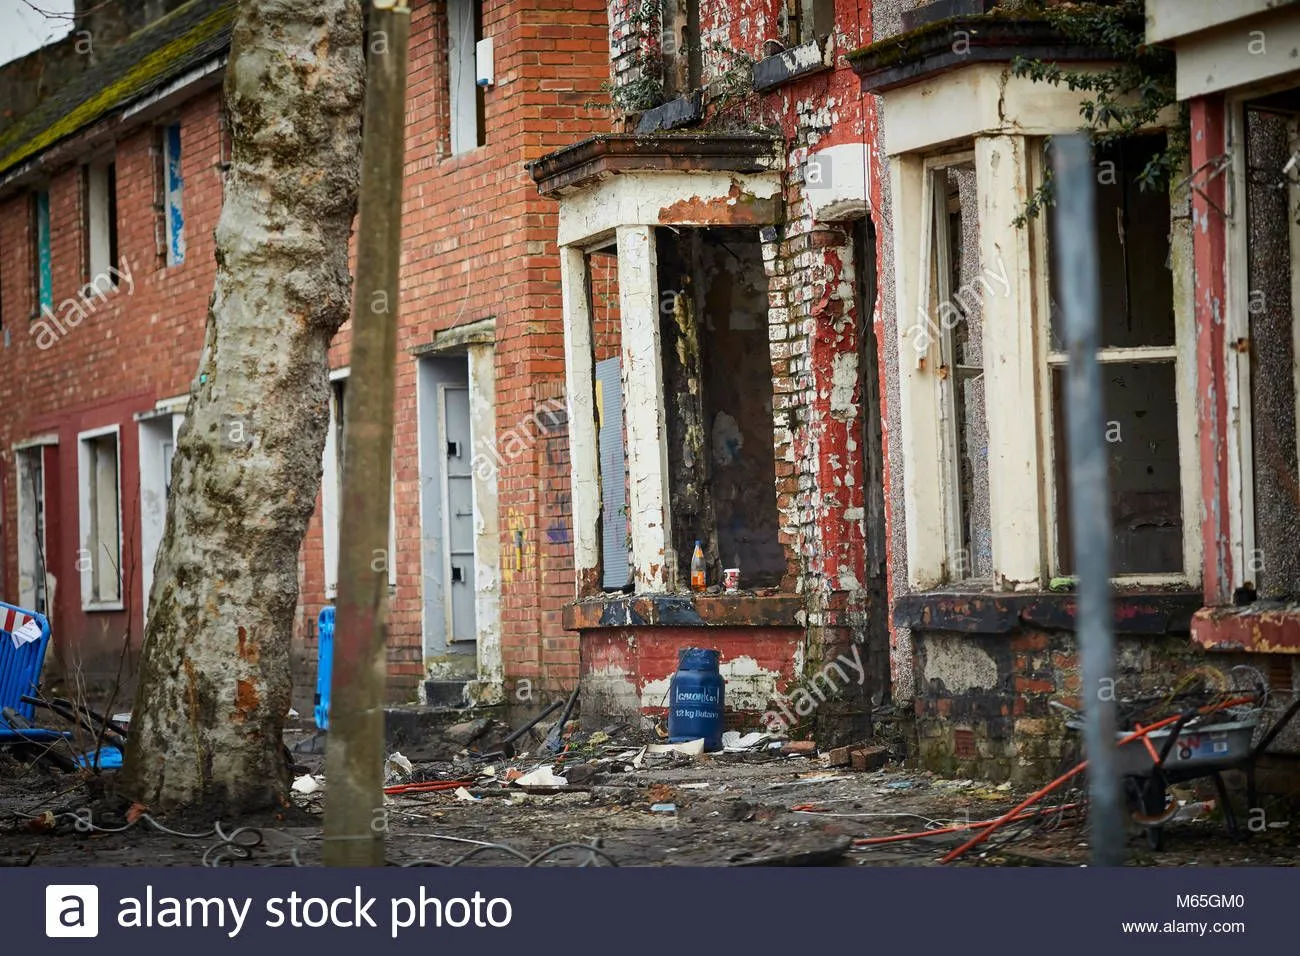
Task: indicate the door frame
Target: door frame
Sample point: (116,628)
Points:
(473,345)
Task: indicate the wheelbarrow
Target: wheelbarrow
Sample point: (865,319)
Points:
(1197,745)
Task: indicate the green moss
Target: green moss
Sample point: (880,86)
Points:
(22,142)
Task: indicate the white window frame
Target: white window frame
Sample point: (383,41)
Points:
(101,225)
(1183,355)
(462,75)
(937,291)
(84,474)
(1240,433)
(40,519)
(1021,469)
(155,482)
(331,497)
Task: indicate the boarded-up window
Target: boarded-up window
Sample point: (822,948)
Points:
(464,30)
(42,268)
(1272,140)
(99,487)
(101,223)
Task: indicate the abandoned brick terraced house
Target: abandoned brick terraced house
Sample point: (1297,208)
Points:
(757,275)
(113,153)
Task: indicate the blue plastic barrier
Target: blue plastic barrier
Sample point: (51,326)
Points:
(324,665)
(20,671)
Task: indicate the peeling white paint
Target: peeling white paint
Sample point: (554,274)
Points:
(644,411)
(639,198)
(959,663)
(844,191)
(749,685)
(844,381)
(489,686)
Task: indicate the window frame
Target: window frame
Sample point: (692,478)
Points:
(939,290)
(331,494)
(935,289)
(171,193)
(85,473)
(1183,356)
(41,252)
(459,61)
(94,175)
(1237,327)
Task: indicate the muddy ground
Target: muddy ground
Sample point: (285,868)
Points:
(757,808)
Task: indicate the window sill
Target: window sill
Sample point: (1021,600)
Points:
(802,60)
(1264,627)
(682,111)
(685,610)
(96,606)
(1148,612)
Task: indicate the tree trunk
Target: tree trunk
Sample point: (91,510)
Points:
(214,682)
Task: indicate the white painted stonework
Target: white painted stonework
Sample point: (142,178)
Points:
(640,198)
(842,189)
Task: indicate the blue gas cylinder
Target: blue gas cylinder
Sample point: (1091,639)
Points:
(695,698)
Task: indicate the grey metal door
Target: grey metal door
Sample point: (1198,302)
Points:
(458,513)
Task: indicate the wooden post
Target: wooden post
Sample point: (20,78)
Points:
(354,766)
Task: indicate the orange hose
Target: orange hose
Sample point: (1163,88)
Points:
(1066,777)
(1151,748)
(957,827)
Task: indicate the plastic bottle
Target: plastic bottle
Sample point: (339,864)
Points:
(697,568)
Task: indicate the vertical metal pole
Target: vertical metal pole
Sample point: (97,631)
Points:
(354,766)
(1078,276)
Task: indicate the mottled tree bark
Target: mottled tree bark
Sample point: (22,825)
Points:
(215,683)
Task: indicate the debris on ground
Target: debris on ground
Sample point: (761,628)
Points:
(620,796)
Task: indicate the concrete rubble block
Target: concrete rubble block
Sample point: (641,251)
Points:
(468,731)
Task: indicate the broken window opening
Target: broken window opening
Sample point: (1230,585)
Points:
(1139,370)
(33,562)
(810,19)
(681,47)
(465,96)
(100,227)
(957,288)
(42,267)
(1272,207)
(718,393)
(101,520)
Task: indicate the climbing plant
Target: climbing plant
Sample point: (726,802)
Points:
(646,88)
(1126,97)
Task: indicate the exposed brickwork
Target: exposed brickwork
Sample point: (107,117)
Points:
(814,320)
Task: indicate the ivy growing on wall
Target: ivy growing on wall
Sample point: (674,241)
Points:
(646,89)
(1126,97)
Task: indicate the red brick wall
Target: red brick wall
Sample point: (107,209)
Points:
(478,242)
(140,345)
